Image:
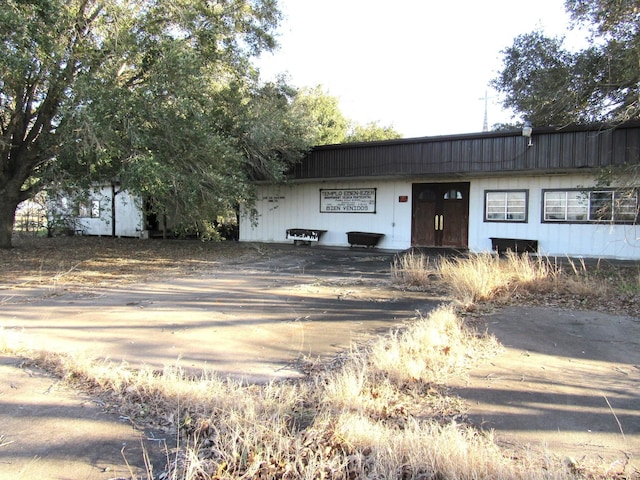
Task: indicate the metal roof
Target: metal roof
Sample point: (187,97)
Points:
(552,150)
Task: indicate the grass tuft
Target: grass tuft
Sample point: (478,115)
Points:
(413,269)
(486,277)
(430,350)
(374,416)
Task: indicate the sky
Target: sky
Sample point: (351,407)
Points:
(420,66)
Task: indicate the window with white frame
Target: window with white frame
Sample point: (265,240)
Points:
(590,206)
(505,205)
(90,209)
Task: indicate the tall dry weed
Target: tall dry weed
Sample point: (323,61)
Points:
(484,276)
(431,450)
(430,350)
(413,269)
(487,277)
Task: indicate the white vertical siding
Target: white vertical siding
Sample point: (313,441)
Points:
(298,206)
(282,207)
(129,216)
(554,239)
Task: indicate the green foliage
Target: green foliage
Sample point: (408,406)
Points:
(157,95)
(370,132)
(548,84)
(327,123)
(535,77)
(329,126)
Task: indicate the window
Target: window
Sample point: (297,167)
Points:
(90,209)
(591,206)
(505,206)
(453,194)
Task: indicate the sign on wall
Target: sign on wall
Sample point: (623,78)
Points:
(348,200)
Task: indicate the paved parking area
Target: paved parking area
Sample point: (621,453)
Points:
(252,320)
(567,379)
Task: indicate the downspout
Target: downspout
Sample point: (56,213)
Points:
(113,208)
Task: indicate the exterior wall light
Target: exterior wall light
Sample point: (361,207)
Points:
(527,130)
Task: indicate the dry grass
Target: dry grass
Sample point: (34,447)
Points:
(382,412)
(487,278)
(430,350)
(372,417)
(90,261)
(413,269)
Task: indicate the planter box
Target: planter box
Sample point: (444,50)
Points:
(365,239)
(502,245)
(304,235)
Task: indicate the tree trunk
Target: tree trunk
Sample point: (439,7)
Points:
(8,206)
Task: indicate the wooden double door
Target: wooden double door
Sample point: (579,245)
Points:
(440,215)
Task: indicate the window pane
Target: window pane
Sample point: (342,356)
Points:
(506,206)
(555,205)
(516,205)
(453,194)
(594,206)
(601,206)
(577,203)
(625,206)
(95,209)
(83,211)
(496,205)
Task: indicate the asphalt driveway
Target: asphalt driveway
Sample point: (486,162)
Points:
(568,380)
(253,321)
(258,321)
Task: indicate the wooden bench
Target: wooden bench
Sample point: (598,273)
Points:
(516,245)
(304,236)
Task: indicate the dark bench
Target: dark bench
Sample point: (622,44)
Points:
(365,239)
(304,236)
(503,245)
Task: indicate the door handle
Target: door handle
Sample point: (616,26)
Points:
(438,222)
(441,222)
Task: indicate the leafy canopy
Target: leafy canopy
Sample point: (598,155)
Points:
(328,125)
(547,84)
(158,96)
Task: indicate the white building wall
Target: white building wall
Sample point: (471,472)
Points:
(282,207)
(129,216)
(554,239)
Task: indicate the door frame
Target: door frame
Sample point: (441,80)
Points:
(441,189)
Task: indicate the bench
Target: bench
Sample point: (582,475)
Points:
(304,236)
(365,239)
(503,245)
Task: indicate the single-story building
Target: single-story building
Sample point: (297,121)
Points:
(473,191)
(108,210)
(103,210)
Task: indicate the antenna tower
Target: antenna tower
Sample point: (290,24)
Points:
(485,123)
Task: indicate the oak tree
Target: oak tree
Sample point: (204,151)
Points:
(546,83)
(158,96)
